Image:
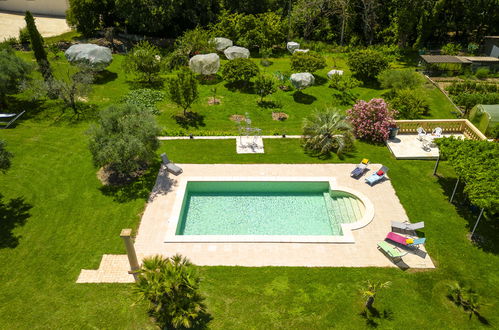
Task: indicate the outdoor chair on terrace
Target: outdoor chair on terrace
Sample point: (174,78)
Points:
(377,176)
(437,132)
(170,167)
(10,117)
(391,251)
(360,169)
(412,242)
(421,133)
(407,227)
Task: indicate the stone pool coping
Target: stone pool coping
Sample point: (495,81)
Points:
(347,228)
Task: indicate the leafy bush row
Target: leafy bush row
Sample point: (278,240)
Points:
(469,100)
(471,87)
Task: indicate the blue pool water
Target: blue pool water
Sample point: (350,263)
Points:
(265,208)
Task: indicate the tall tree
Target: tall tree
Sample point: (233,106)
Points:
(342,9)
(37,46)
(369,17)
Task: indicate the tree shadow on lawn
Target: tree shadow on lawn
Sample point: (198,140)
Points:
(105,76)
(191,119)
(209,79)
(140,188)
(269,104)
(319,80)
(13,213)
(155,84)
(486,233)
(303,98)
(372,316)
(241,86)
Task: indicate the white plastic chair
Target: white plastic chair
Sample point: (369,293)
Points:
(421,133)
(437,132)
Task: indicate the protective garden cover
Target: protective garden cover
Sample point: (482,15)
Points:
(222,43)
(236,52)
(89,55)
(205,64)
(302,80)
(485,117)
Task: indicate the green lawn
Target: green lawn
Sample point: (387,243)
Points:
(113,84)
(72,222)
(61,220)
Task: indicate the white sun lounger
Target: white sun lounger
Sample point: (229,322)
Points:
(406,227)
(14,117)
(170,167)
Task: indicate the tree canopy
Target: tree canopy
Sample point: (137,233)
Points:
(475,162)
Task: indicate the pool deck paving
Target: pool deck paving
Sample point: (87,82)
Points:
(363,253)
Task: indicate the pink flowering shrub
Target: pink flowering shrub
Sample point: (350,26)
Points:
(371,120)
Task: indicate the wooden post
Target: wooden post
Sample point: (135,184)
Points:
(477,221)
(126,234)
(454,192)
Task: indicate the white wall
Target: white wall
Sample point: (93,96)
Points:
(46,7)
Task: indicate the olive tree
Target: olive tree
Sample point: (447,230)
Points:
(307,62)
(367,64)
(240,70)
(124,140)
(265,85)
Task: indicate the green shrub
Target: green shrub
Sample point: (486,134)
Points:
(144,60)
(344,84)
(166,19)
(264,86)
(482,73)
(469,100)
(400,79)
(239,70)
(5,157)
(145,99)
(367,64)
(410,104)
(470,86)
(307,62)
(263,30)
(124,140)
(450,49)
(88,16)
(13,70)
(196,41)
(473,48)
(183,89)
(24,35)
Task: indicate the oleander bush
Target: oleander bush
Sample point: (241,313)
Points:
(371,120)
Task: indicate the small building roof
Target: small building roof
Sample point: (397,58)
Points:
(444,59)
(480,58)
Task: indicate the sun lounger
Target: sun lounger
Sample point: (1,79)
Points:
(360,169)
(12,116)
(406,227)
(170,167)
(391,251)
(377,176)
(414,242)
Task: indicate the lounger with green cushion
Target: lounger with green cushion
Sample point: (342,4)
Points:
(391,250)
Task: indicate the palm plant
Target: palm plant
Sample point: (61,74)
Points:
(171,287)
(327,131)
(370,290)
(468,299)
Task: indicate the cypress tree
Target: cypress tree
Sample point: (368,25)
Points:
(37,46)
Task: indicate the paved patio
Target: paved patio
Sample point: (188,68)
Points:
(408,146)
(11,23)
(362,253)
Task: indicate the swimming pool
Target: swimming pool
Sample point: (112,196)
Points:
(260,210)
